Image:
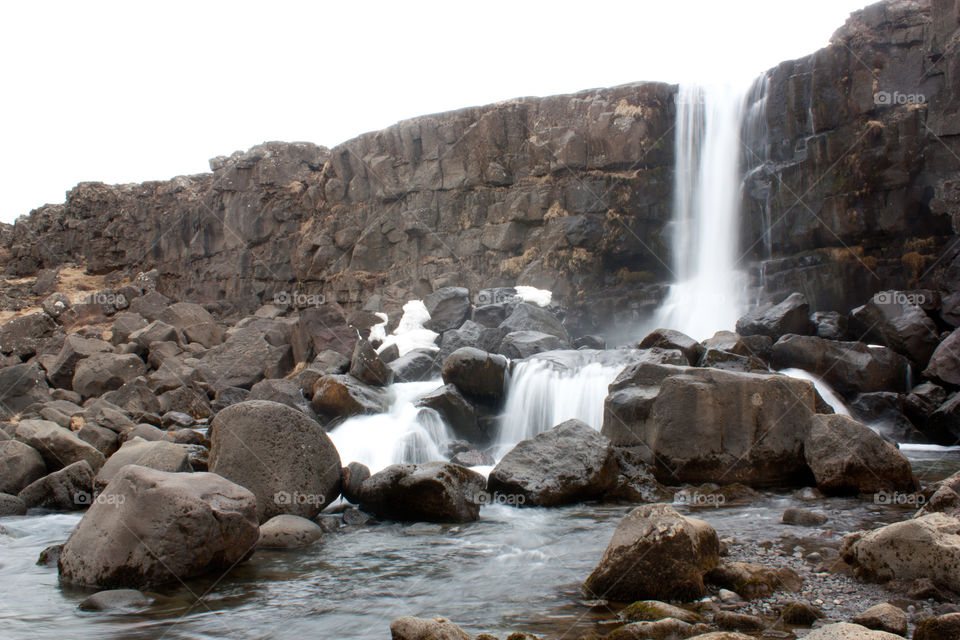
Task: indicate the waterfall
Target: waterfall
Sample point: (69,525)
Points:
(825,390)
(709,292)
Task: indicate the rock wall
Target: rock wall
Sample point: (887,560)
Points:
(571,193)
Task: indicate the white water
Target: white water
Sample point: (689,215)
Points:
(826,391)
(539,297)
(410,333)
(709,292)
(405,433)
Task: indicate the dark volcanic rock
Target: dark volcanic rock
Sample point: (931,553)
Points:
(449,307)
(529,317)
(457,412)
(790,316)
(432,492)
(893,321)
(367,366)
(21,386)
(478,374)
(945,361)
(849,367)
(342,396)
(670,339)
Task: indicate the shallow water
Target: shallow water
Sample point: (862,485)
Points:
(515,569)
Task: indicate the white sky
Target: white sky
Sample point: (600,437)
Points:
(131,91)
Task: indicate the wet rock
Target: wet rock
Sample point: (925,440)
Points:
(367,366)
(11,505)
(945,361)
(49,556)
(922,401)
(116,601)
(410,628)
(849,367)
(943,425)
(889,319)
(228,396)
(569,463)
(590,342)
(790,316)
(884,617)
(655,553)
(649,610)
(847,457)
(286,531)
(523,344)
(884,411)
(195,322)
(356,518)
(945,627)
(21,385)
(528,317)
(159,455)
(279,454)
(478,374)
(801,613)
(665,629)
(415,366)
(102,372)
(173,420)
(20,464)
(830,325)
(342,396)
(727,361)
(670,339)
(68,489)
(847,631)
(490,315)
(470,334)
(389,353)
(635,480)
(57,446)
(803,517)
(192,523)
(351,477)
(752,581)
(457,412)
(430,492)
(448,307)
(924,547)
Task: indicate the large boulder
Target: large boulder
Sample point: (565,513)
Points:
(22,337)
(709,425)
(195,322)
(277,452)
(448,307)
(157,454)
(670,339)
(416,365)
(567,464)
(847,631)
(884,617)
(102,372)
(943,425)
(431,492)
(478,374)
(924,547)
(20,386)
(529,317)
(849,367)
(457,412)
(156,332)
(790,316)
(280,390)
(242,360)
(945,627)
(847,457)
(342,396)
(471,334)
(655,554)
(59,447)
(75,348)
(945,361)
(322,328)
(68,489)
(523,344)
(890,319)
(20,464)
(151,527)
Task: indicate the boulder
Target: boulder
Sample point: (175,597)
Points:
(287,531)
(20,464)
(478,374)
(665,629)
(945,627)
(22,337)
(367,366)
(448,307)
(716,359)
(889,319)
(135,397)
(243,360)
(156,332)
(151,527)
(523,344)
(884,411)
(884,617)
(342,396)
(710,425)
(21,385)
(670,339)
(158,454)
(100,438)
(830,325)
(801,613)
(655,553)
(68,489)
(102,372)
(279,454)
(847,457)
(790,316)
(945,361)
(416,365)
(57,446)
(125,324)
(567,464)
(943,425)
(471,334)
(320,329)
(752,581)
(848,367)
(457,412)
(410,628)
(150,305)
(924,547)
(351,477)
(803,517)
(283,391)
(74,349)
(922,401)
(529,317)
(11,505)
(55,304)
(194,321)
(847,631)
(430,492)
(649,610)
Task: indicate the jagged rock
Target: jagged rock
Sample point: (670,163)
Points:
(674,411)
(22,337)
(416,366)
(888,318)
(474,458)
(849,367)
(471,334)
(342,396)
(847,457)
(655,553)
(847,631)
(790,316)
(68,489)
(523,344)
(367,366)
(429,492)
(716,359)
(20,464)
(490,315)
(448,307)
(102,439)
(73,351)
(320,329)
(943,425)
(278,453)
(241,361)
(57,446)
(884,411)
(155,332)
(569,463)
(477,374)
(55,304)
(116,601)
(528,317)
(590,342)
(945,361)
(410,628)
(670,339)
(134,396)
(157,454)
(150,305)
(924,547)
(21,385)
(228,396)
(102,372)
(283,391)
(195,322)
(124,325)
(191,523)
(457,412)
(187,400)
(922,401)
(174,420)
(945,627)
(11,505)
(752,581)
(884,617)
(286,531)
(731,621)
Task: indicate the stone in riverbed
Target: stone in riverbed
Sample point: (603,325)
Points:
(158,454)
(151,527)
(20,464)
(670,339)
(458,412)
(116,601)
(68,489)
(655,553)
(945,361)
(945,627)
(752,581)
(11,505)
(448,307)
(800,613)
(410,628)
(664,629)
(428,492)
(803,517)
(288,532)
(650,610)
(415,366)
(477,374)
(342,396)
(884,617)
(57,446)
(367,366)
(351,477)
(889,319)
(523,344)
(567,464)
(849,367)
(528,317)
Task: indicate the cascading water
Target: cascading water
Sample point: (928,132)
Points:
(708,294)
(826,392)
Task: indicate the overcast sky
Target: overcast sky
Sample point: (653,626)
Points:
(131,91)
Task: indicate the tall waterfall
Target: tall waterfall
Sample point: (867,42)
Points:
(709,292)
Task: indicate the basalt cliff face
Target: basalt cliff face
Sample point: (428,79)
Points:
(848,194)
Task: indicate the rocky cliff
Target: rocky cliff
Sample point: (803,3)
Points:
(850,194)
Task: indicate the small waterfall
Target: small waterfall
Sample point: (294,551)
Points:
(405,433)
(826,391)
